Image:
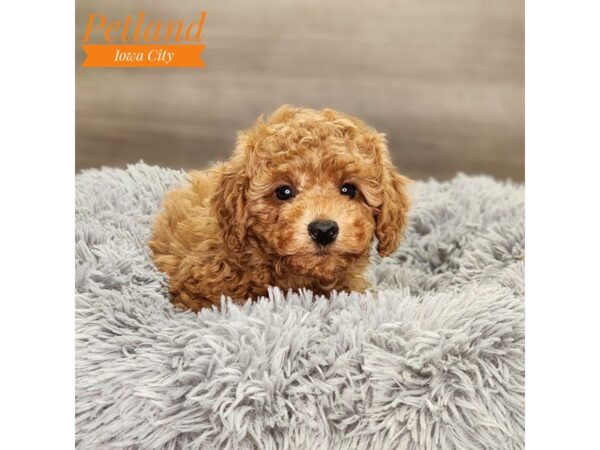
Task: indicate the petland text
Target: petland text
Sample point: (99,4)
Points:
(143,43)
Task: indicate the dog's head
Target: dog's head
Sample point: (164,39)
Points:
(312,188)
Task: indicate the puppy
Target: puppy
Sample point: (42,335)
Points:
(296,206)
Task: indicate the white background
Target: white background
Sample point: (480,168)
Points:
(562,176)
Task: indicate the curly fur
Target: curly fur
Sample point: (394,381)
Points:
(226,233)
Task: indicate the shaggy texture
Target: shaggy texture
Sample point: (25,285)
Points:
(431,358)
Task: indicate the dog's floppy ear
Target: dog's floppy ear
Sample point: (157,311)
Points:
(229,206)
(229,202)
(392,215)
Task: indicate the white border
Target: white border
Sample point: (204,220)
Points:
(37,225)
(563,229)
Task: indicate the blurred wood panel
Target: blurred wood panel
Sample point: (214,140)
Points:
(444,81)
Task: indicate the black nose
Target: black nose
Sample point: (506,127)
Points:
(323,232)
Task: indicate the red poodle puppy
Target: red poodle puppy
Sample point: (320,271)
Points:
(296,206)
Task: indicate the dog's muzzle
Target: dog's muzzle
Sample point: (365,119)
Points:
(323,232)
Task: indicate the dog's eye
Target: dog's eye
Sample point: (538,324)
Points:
(284,192)
(348,189)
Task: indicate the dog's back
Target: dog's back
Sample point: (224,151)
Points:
(183,224)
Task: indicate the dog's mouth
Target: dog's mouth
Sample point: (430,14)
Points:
(321,252)
(324,263)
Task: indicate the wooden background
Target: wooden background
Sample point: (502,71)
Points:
(444,80)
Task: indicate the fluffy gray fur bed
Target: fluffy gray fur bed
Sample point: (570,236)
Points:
(432,358)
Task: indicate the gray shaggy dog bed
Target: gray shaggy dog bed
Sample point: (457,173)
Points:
(431,358)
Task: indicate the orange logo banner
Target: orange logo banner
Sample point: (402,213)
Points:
(105,55)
